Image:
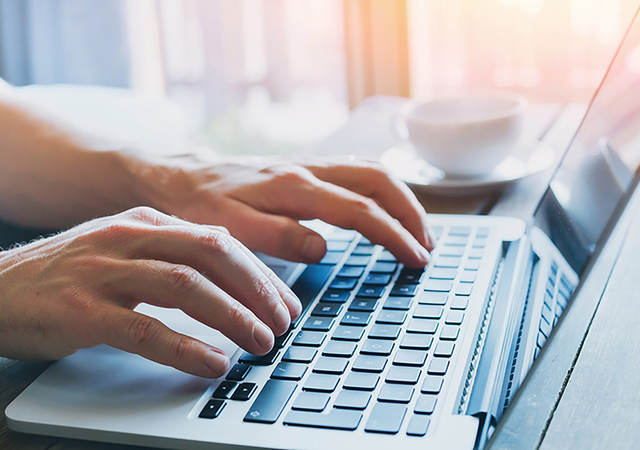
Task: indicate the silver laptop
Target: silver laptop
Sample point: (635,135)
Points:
(384,355)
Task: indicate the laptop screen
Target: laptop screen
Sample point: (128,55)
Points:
(598,168)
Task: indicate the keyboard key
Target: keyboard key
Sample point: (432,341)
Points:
(482,232)
(212,409)
(244,392)
(361,381)
(459,302)
(314,323)
(224,389)
(335,296)
(428,311)
(348,333)
(289,371)
(431,384)
(396,393)
(238,372)
(368,291)
(343,283)
(438,366)
(342,235)
(338,419)
(369,363)
(382,331)
(458,241)
(464,289)
(327,309)
(472,264)
(404,289)
(337,246)
(410,358)
(425,404)
(363,304)
(442,273)
(320,382)
(256,360)
(438,285)
(449,262)
(418,425)
(444,348)
(331,365)
(377,347)
(283,339)
(310,282)
(403,375)
(300,354)
(433,298)
(357,261)
(378,279)
(402,303)
(356,318)
(454,318)
(386,418)
(476,253)
(391,317)
(451,250)
(351,272)
(449,332)
(342,349)
(410,276)
(461,230)
(416,341)
(386,256)
(331,258)
(309,338)
(479,242)
(384,267)
(364,249)
(269,404)
(428,326)
(311,401)
(468,276)
(352,400)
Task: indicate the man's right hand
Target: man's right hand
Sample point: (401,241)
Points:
(78,289)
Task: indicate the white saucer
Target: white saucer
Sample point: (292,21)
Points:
(403,162)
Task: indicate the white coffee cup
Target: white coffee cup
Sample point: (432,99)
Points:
(464,136)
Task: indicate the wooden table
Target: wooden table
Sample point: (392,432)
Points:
(573,396)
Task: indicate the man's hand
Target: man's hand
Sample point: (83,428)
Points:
(260,201)
(78,289)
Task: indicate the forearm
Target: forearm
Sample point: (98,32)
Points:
(51,177)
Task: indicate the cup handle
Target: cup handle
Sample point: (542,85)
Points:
(398,127)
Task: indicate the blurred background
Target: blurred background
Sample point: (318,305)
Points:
(267,76)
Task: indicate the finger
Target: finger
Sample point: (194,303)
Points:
(346,209)
(176,286)
(275,235)
(374,182)
(137,333)
(218,256)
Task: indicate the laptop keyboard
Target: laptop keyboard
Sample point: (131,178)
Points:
(557,293)
(379,339)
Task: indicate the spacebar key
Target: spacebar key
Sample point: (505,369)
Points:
(337,419)
(271,401)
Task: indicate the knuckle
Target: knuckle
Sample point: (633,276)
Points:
(218,241)
(365,205)
(145,214)
(115,230)
(182,345)
(237,312)
(183,278)
(142,329)
(293,175)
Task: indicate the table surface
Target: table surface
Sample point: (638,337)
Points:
(582,393)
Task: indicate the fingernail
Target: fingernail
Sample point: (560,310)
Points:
(313,247)
(263,336)
(216,362)
(424,255)
(430,243)
(281,317)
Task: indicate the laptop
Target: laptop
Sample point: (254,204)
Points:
(383,355)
